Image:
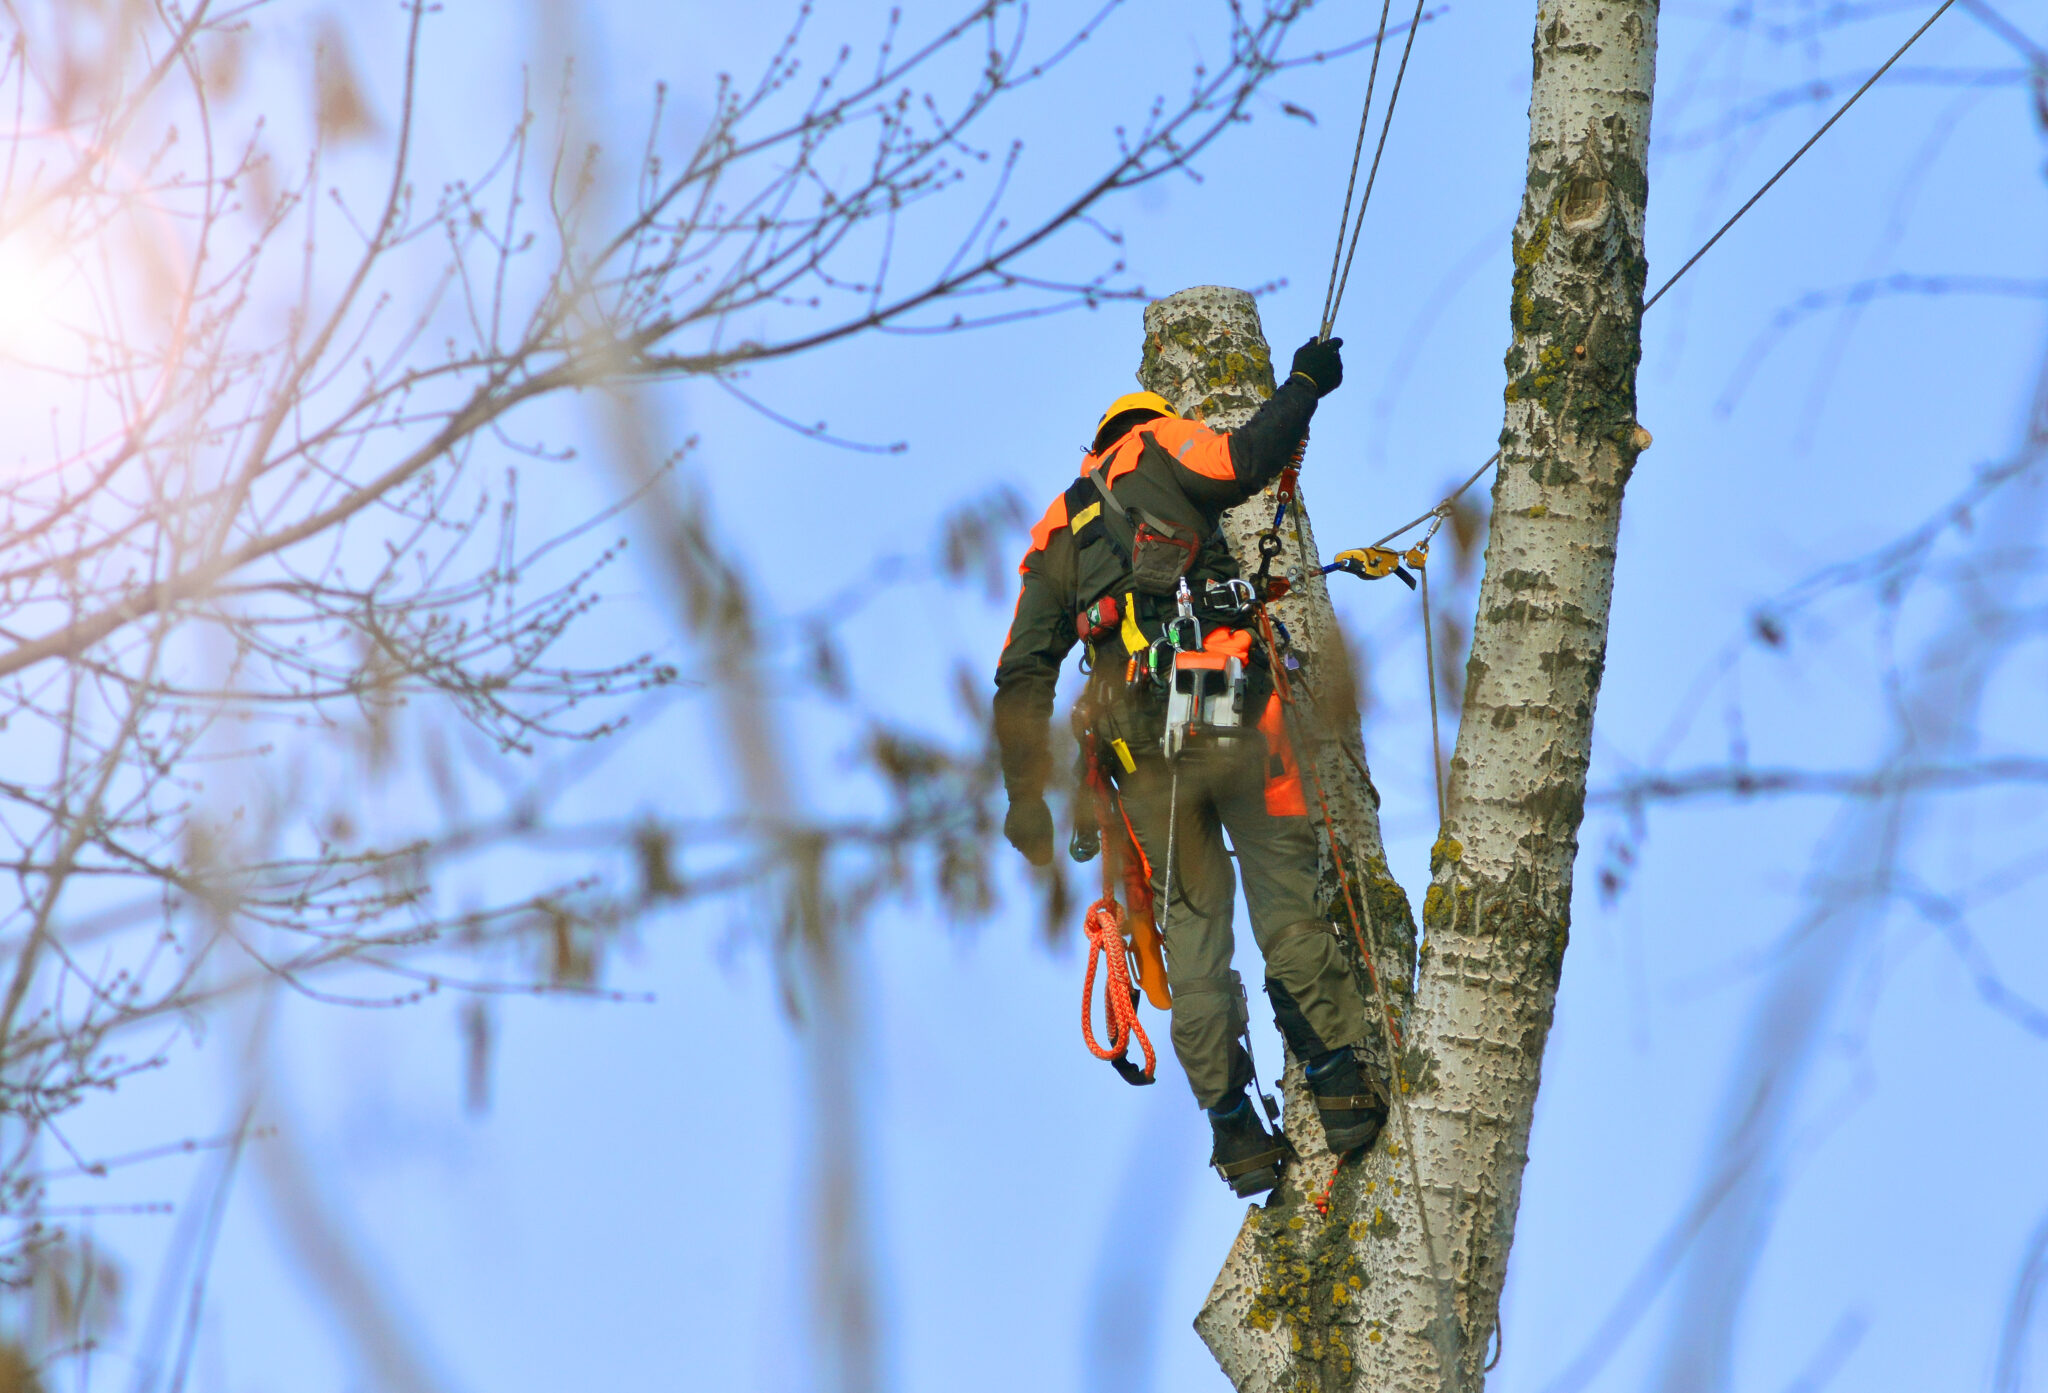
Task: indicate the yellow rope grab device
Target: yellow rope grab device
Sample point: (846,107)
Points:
(1374,563)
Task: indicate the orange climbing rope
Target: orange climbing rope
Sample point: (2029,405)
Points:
(1105,926)
(1322,1201)
(1105,929)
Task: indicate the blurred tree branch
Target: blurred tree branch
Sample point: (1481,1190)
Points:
(270,412)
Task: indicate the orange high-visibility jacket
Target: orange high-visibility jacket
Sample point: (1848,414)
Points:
(1177,474)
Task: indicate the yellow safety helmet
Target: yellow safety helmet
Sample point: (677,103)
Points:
(1132,401)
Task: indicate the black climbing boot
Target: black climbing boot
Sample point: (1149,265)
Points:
(1352,1110)
(1246,1155)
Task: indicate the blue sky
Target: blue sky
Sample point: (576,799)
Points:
(629,1214)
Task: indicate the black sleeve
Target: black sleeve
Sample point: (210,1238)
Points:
(1041,636)
(1264,445)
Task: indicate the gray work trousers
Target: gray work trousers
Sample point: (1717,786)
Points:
(1315,996)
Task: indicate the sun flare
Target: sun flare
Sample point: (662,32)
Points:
(41,303)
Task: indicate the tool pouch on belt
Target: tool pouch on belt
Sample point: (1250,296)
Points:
(1104,616)
(1160,553)
(1159,557)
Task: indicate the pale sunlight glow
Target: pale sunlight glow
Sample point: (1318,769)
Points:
(42,304)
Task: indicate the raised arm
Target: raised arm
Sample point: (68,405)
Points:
(1221,470)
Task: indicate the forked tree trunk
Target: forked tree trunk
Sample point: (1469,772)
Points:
(1398,1286)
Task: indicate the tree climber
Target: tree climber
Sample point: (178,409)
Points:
(1130,560)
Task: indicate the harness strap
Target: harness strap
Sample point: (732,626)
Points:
(1251,1163)
(1229,984)
(1122,535)
(1117,517)
(1306,928)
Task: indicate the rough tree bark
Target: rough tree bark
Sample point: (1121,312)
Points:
(1397,1287)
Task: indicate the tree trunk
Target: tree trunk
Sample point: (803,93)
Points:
(1398,1286)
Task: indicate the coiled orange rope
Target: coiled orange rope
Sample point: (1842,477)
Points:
(1105,929)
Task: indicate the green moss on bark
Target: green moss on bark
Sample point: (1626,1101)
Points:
(1211,370)
(1310,1280)
(1573,355)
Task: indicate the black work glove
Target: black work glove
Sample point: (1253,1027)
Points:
(1319,361)
(1029,828)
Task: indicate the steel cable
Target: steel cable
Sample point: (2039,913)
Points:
(1386,124)
(1705,247)
(1357,153)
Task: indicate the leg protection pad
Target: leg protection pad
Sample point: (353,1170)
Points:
(1305,962)
(1301,1037)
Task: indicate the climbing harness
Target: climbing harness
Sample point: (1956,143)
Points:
(1204,674)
